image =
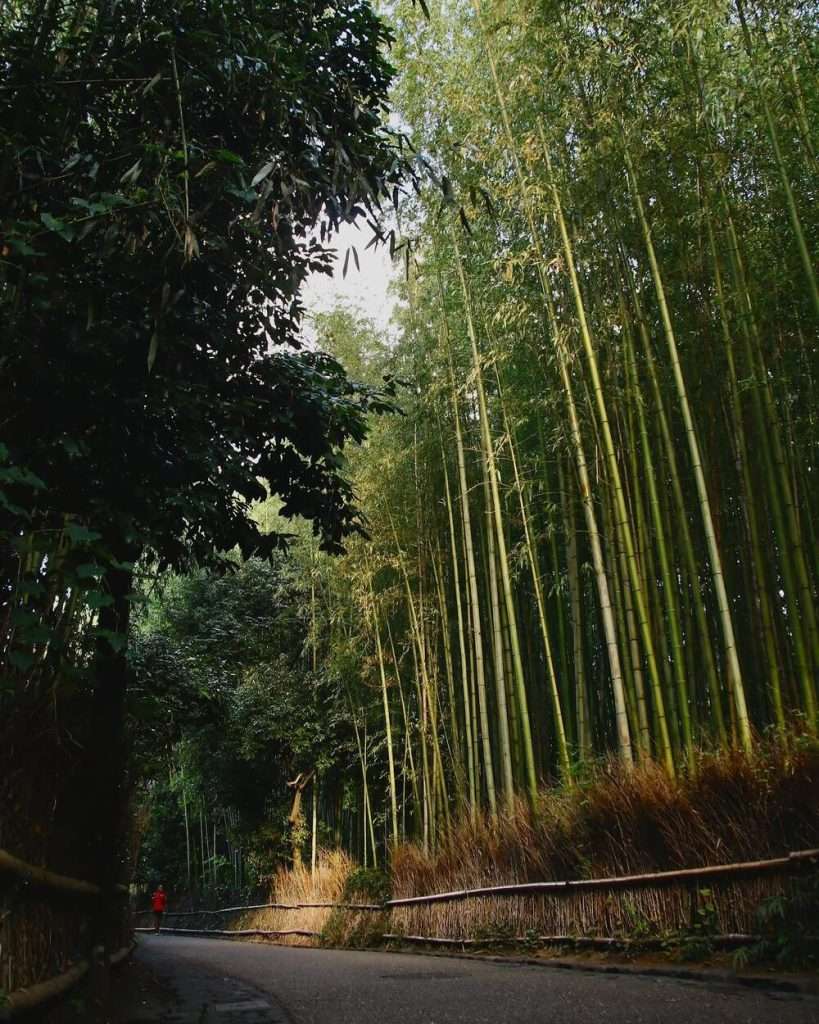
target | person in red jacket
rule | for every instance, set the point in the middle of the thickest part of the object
(159, 903)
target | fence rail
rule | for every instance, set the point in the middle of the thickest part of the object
(33, 996)
(268, 906)
(728, 941)
(232, 933)
(50, 879)
(791, 864)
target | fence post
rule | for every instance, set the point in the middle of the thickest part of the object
(99, 984)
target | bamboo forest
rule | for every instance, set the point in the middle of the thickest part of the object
(515, 583)
(590, 531)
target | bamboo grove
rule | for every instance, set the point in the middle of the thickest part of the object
(591, 531)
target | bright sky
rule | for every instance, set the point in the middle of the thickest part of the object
(366, 289)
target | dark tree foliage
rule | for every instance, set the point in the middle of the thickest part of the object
(170, 173)
(224, 700)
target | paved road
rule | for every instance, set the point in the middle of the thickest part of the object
(244, 983)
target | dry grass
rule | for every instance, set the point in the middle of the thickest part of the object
(329, 884)
(733, 808)
(291, 886)
(300, 885)
(332, 883)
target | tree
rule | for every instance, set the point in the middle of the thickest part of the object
(163, 174)
(169, 176)
(225, 696)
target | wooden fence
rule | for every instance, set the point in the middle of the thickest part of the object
(59, 927)
(689, 879)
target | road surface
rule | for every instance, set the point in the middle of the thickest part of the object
(227, 982)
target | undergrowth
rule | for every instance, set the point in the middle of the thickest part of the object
(788, 928)
(354, 928)
(367, 885)
(733, 807)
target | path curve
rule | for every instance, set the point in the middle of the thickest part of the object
(247, 983)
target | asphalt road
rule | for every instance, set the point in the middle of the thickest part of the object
(244, 983)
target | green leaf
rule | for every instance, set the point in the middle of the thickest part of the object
(228, 157)
(98, 599)
(246, 194)
(153, 348)
(157, 78)
(71, 447)
(65, 231)
(131, 175)
(80, 534)
(22, 247)
(261, 174)
(15, 510)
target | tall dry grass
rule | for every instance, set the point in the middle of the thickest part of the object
(301, 885)
(733, 808)
(336, 883)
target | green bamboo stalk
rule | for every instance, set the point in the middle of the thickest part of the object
(387, 717)
(780, 491)
(456, 751)
(670, 451)
(537, 584)
(612, 650)
(734, 672)
(757, 560)
(472, 581)
(668, 588)
(501, 710)
(790, 201)
(465, 686)
(621, 519)
(584, 738)
(407, 731)
(520, 685)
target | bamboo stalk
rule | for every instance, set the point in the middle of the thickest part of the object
(554, 692)
(773, 135)
(387, 718)
(472, 581)
(601, 579)
(456, 585)
(735, 679)
(503, 558)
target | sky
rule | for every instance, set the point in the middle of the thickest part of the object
(366, 289)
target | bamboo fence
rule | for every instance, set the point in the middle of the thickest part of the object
(594, 912)
(46, 934)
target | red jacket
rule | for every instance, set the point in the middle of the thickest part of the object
(159, 902)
